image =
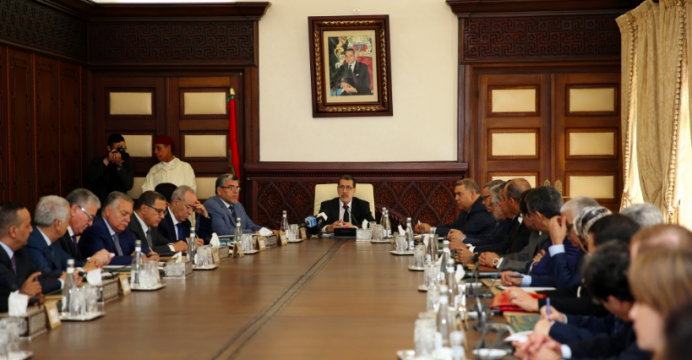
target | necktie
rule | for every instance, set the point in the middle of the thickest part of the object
(232, 213)
(179, 226)
(346, 217)
(74, 241)
(149, 238)
(351, 68)
(118, 249)
(14, 264)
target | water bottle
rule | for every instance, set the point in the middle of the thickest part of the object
(387, 225)
(409, 234)
(137, 264)
(432, 244)
(444, 323)
(453, 286)
(456, 340)
(192, 247)
(433, 297)
(284, 223)
(70, 285)
(238, 234)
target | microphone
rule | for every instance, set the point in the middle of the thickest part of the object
(353, 220)
(314, 224)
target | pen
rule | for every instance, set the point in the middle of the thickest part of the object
(547, 303)
(516, 276)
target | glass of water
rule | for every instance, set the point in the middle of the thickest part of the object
(401, 243)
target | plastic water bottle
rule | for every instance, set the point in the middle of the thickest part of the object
(137, 263)
(70, 285)
(284, 223)
(409, 234)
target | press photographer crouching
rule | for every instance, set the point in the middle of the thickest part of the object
(112, 172)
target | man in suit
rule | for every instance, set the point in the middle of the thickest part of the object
(109, 232)
(113, 172)
(353, 77)
(52, 217)
(17, 272)
(346, 210)
(225, 208)
(176, 225)
(150, 209)
(84, 207)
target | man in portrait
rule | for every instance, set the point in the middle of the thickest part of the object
(353, 77)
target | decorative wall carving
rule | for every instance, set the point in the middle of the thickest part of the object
(540, 37)
(428, 201)
(225, 42)
(28, 23)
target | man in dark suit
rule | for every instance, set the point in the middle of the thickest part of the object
(473, 220)
(109, 232)
(51, 217)
(176, 225)
(150, 209)
(112, 172)
(346, 210)
(353, 77)
(225, 208)
(84, 207)
(17, 272)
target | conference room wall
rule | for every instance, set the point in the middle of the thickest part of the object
(424, 80)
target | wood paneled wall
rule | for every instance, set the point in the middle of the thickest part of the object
(41, 126)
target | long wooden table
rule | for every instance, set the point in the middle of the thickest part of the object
(319, 299)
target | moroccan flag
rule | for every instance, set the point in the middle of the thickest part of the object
(233, 157)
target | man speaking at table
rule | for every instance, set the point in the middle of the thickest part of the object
(225, 208)
(346, 210)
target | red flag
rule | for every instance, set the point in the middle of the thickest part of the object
(233, 156)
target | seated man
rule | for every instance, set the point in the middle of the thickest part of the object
(502, 230)
(17, 272)
(473, 220)
(52, 216)
(109, 232)
(225, 208)
(150, 209)
(346, 210)
(84, 207)
(176, 225)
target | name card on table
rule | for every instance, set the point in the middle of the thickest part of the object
(284, 239)
(261, 243)
(215, 255)
(238, 250)
(303, 234)
(125, 284)
(53, 314)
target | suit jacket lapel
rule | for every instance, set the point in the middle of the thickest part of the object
(137, 230)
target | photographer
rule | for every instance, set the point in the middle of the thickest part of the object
(113, 172)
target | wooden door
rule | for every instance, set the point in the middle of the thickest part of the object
(513, 136)
(587, 137)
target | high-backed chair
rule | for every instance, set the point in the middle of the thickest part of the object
(324, 192)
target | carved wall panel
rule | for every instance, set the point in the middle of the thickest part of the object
(28, 23)
(540, 37)
(71, 146)
(219, 42)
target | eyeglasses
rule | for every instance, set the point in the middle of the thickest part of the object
(349, 188)
(484, 197)
(159, 211)
(91, 217)
(231, 187)
(188, 207)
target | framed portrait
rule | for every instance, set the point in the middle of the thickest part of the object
(350, 66)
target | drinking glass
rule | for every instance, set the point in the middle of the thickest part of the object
(431, 270)
(372, 225)
(248, 244)
(149, 277)
(424, 338)
(401, 243)
(296, 231)
(78, 302)
(419, 256)
(91, 298)
(174, 269)
(377, 232)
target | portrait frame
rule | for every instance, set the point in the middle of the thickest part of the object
(362, 40)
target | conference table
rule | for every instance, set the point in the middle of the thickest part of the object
(318, 299)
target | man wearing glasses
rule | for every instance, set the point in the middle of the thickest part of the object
(176, 224)
(346, 210)
(84, 206)
(225, 208)
(150, 209)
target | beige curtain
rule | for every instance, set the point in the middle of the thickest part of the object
(655, 119)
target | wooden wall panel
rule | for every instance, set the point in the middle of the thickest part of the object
(4, 140)
(47, 156)
(70, 101)
(21, 116)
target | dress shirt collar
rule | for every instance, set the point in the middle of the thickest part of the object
(48, 242)
(9, 251)
(225, 203)
(175, 221)
(145, 228)
(69, 230)
(110, 229)
(519, 218)
(341, 204)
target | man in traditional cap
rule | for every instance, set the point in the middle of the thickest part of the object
(169, 169)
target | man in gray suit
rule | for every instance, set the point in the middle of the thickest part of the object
(225, 208)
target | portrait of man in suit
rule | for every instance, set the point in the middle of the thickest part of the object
(351, 59)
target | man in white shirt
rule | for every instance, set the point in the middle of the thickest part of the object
(169, 169)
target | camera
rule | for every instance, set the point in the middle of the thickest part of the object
(123, 154)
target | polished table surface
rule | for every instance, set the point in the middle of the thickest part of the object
(321, 298)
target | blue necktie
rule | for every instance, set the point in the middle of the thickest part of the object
(74, 241)
(118, 249)
(179, 226)
(232, 213)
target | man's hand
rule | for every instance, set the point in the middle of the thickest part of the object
(117, 158)
(200, 209)
(558, 229)
(554, 315)
(464, 256)
(348, 88)
(199, 242)
(77, 278)
(457, 245)
(31, 287)
(522, 299)
(103, 257)
(455, 235)
(538, 347)
(153, 256)
(508, 280)
(422, 228)
(92, 264)
(487, 258)
(179, 246)
(539, 256)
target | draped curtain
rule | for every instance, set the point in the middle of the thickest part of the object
(655, 103)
